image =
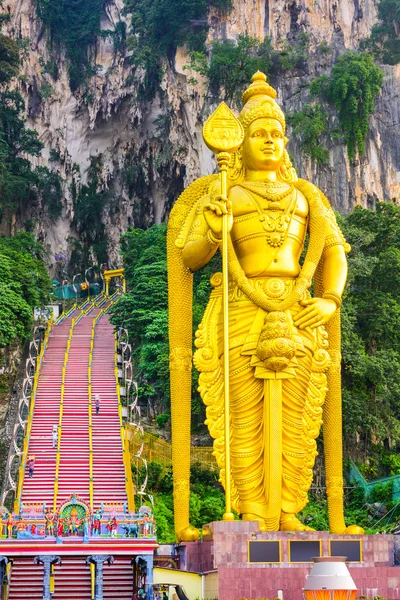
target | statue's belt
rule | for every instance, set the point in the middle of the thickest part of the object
(275, 288)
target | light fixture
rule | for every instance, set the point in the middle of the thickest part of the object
(330, 579)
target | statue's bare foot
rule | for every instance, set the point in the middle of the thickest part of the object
(289, 522)
(252, 517)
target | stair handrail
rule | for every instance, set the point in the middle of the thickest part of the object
(28, 427)
(65, 315)
(124, 440)
(76, 306)
(90, 405)
(86, 312)
(60, 419)
(91, 490)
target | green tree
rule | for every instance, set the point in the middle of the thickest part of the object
(25, 285)
(384, 41)
(309, 125)
(89, 204)
(144, 312)
(371, 325)
(233, 63)
(73, 25)
(159, 27)
(352, 88)
(20, 184)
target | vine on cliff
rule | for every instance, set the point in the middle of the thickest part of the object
(89, 203)
(309, 124)
(73, 25)
(384, 41)
(352, 88)
(159, 27)
(21, 185)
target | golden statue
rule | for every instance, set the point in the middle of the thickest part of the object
(264, 340)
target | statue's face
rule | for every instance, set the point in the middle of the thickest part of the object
(263, 145)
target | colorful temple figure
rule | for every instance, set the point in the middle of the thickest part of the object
(60, 527)
(96, 526)
(282, 344)
(85, 529)
(74, 523)
(33, 528)
(114, 527)
(50, 521)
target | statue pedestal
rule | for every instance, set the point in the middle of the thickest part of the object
(225, 555)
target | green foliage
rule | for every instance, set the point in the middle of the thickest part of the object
(159, 27)
(207, 501)
(162, 420)
(50, 67)
(294, 56)
(352, 88)
(89, 204)
(50, 190)
(233, 63)
(20, 185)
(144, 312)
(24, 285)
(74, 25)
(221, 5)
(371, 325)
(9, 59)
(384, 41)
(309, 124)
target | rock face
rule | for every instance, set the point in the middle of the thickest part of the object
(148, 151)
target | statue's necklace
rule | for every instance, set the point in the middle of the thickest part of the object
(271, 191)
(276, 226)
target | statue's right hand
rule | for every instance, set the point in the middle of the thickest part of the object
(214, 211)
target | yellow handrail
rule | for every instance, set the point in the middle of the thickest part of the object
(91, 491)
(125, 444)
(38, 364)
(90, 406)
(58, 453)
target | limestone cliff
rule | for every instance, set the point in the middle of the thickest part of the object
(150, 150)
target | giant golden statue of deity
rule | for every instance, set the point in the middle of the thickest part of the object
(264, 340)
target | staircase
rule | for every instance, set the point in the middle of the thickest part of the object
(108, 467)
(72, 578)
(73, 475)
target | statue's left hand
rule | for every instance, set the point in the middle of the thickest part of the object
(317, 312)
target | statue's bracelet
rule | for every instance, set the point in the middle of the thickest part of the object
(214, 241)
(332, 295)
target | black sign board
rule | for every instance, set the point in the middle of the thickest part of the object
(265, 551)
(352, 549)
(302, 551)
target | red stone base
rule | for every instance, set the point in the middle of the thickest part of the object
(225, 549)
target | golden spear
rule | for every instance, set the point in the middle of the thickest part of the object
(223, 133)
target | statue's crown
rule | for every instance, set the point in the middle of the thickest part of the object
(259, 102)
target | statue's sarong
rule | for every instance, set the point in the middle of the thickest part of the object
(303, 393)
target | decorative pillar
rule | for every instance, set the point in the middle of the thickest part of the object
(148, 559)
(3, 574)
(47, 562)
(98, 562)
